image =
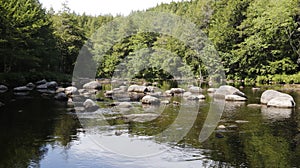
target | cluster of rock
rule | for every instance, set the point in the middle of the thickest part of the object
(274, 98)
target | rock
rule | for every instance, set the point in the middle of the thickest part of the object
(211, 90)
(176, 103)
(3, 88)
(42, 86)
(136, 96)
(2, 104)
(30, 85)
(52, 85)
(234, 98)
(254, 105)
(282, 102)
(277, 99)
(60, 89)
(165, 102)
(92, 85)
(61, 97)
(241, 121)
(228, 90)
(41, 82)
(156, 94)
(177, 90)
(90, 105)
(150, 100)
(70, 102)
(195, 97)
(109, 93)
(79, 109)
(140, 117)
(221, 127)
(169, 93)
(71, 90)
(195, 89)
(138, 89)
(125, 105)
(123, 88)
(22, 89)
(187, 94)
(255, 89)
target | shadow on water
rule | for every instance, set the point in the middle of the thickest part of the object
(30, 123)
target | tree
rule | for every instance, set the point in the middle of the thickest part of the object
(70, 38)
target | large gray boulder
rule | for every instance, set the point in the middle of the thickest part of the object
(150, 100)
(48, 85)
(277, 99)
(92, 85)
(140, 117)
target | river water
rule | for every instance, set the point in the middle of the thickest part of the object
(37, 131)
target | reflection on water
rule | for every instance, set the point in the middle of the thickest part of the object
(39, 132)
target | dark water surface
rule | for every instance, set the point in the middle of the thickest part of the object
(37, 131)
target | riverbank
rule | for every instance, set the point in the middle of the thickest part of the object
(22, 78)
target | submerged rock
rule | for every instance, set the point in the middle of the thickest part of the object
(150, 100)
(140, 117)
(254, 105)
(124, 105)
(277, 99)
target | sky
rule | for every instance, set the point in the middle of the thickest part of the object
(101, 7)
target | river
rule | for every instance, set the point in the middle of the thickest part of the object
(37, 131)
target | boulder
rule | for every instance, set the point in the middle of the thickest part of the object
(49, 85)
(228, 90)
(234, 98)
(136, 96)
(280, 99)
(92, 85)
(60, 89)
(22, 89)
(195, 97)
(211, 90)
(52, 85)
(61, 97)
(177, 90)
(3, 88)
(195, 89)
(90, 105)
(156, 94)
(187, 94)
(254, 105)
(41, 82)
(71, 90)
(138, 89)
(150, 100)
(30, 85)
(282, 102)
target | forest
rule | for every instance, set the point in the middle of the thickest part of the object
(258, 41)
